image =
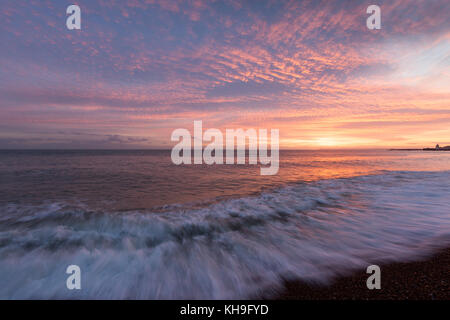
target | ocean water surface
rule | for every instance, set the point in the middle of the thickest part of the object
(140, 227)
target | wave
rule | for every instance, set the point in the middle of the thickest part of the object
(236, 248)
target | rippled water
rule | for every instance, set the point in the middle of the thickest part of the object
(140, 227)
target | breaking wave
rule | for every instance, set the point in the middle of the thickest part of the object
(235, 248)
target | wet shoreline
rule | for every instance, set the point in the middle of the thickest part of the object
(427, 279)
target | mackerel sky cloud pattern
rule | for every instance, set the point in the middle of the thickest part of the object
(137, 70)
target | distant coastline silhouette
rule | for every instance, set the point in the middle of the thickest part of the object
(437, 148)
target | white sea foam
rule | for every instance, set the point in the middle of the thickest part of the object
(230, 249)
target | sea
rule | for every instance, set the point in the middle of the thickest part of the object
(140, 227)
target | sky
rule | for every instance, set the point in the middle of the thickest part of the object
(138, 70)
